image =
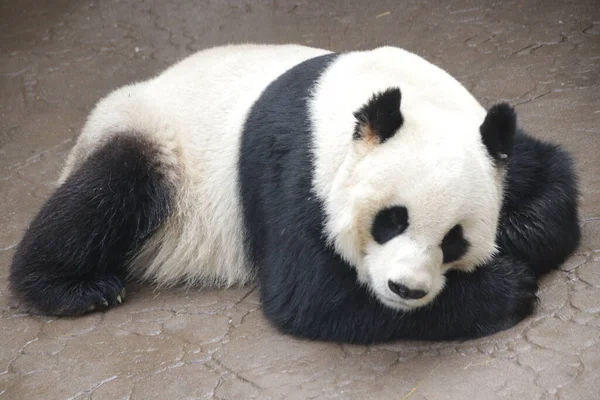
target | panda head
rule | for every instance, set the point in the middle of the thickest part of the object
(416, 191)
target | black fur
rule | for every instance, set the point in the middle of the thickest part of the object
(454, 245)
(498, 131)
(539, 218)
(73, 255)
(307, 290)
(389, 223)
(381, 114)
(274, 168)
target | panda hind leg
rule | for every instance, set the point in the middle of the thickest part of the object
(74, 255)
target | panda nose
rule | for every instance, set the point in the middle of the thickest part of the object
(406, 293)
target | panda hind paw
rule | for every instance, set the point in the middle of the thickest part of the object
(71, 297)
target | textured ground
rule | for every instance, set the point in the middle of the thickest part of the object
(57, 61)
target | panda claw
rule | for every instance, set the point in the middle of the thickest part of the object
(91, 308)
(119, 300)
(104, 302)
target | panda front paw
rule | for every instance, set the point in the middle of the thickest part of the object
(523, 301)
(513, 286)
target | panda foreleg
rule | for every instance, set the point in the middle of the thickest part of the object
(539, 220)
(494, 297)
(327, 304)
(73, 257)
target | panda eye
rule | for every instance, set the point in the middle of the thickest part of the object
(454, 245)
(389, 223)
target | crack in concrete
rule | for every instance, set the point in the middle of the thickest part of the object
(90, 390)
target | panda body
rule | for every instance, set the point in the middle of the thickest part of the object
(360, 189)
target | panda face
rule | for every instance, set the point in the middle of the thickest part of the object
(412, 184)
(418, 273)
(417, 210)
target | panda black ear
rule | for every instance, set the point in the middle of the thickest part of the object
(380, 118)
(498, 131)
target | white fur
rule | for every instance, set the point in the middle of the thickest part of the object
(435, 166)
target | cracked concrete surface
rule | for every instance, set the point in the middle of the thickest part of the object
(58, 58)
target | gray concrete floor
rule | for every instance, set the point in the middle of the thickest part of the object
(57, 58)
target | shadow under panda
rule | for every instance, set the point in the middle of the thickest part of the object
(367, 193)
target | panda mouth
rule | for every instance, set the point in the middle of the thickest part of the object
(396, 304)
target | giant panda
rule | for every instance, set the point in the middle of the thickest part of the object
(367, 193)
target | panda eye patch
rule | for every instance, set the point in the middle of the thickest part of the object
(454, 245)
(389, 223)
